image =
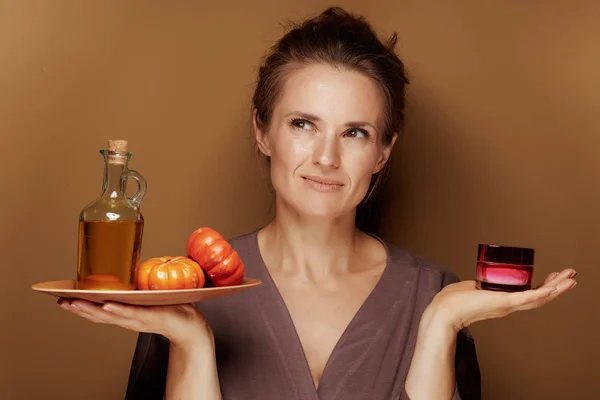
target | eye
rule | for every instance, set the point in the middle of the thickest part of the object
(357, 133)
(302, 124)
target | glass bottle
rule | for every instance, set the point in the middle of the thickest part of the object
(504, 268)
(111, 227)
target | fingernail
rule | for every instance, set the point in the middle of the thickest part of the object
(573, 285)
(573, 274)
(75, 306)
(64, 306)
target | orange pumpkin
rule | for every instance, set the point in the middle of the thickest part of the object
(169, 273)
(216, 256)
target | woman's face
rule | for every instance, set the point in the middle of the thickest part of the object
(325, 140)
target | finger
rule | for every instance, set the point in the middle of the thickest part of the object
(522, 300)
(88, 307)
(68, 306)
(145, 319)
(99, 313)
(136, 318)
(140, 314)
(549, 278)
(555, 291)
(105, 313)
(87, 316)
(568, 273)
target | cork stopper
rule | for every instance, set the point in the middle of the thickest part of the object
(120, 147)
(117, 145)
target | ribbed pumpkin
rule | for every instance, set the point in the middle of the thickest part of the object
(215, 255)
(169, 273)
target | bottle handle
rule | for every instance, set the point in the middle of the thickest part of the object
(138, 196)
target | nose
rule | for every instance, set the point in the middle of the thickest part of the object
(326, 152)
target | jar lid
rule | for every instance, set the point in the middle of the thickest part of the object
(505, 254)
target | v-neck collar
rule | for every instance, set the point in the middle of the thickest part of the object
(359, 333)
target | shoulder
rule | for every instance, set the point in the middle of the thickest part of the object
(402, 259)
(244, 243)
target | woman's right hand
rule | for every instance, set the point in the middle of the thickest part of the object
(183, 324)
(192, 370)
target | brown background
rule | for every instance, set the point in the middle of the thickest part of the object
(501, 146)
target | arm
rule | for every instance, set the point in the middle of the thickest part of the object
(457, 306)
(432, 374)
(175, 352)
(192, 372)
(447, 352)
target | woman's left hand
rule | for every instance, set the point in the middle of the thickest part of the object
(455, 307)
(462, 304)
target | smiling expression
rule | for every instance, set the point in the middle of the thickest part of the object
(325, 139)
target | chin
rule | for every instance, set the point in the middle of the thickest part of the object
(322, 209)
(322, 212)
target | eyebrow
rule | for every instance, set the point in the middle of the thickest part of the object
(314, 118)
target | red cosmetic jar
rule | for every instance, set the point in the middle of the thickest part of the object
(504, 268)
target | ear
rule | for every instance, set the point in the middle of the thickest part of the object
(385, 154)
(262, 139)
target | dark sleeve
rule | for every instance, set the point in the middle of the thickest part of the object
(468, 378)
(148, 372)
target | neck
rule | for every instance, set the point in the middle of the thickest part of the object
(312, 248)
(112, 184)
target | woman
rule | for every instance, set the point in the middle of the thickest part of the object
(341, 314)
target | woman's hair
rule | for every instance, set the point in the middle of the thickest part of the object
(341, 39)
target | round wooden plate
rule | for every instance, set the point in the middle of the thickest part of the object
(66, 288)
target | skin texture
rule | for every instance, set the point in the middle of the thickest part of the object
(325, 127)
(313, 133)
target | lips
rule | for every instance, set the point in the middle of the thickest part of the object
(322, 181)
